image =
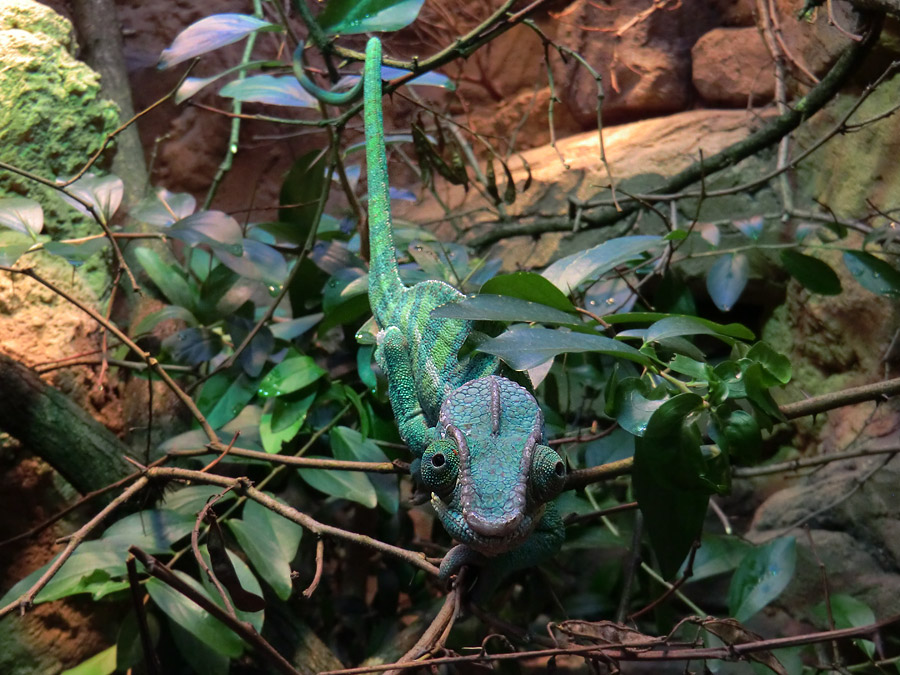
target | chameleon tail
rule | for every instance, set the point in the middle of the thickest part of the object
(385, 287)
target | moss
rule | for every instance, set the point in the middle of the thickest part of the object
(52, 117)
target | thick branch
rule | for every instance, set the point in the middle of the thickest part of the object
(84, 452)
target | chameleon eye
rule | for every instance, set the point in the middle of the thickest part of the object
(548, 473)
(440, 467)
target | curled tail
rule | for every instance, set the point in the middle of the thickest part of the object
(385, 287)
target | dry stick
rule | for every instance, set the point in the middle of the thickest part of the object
(319, 529)
(151, 660)
(759, 140)
(152, 363)
(320, 564)
(24, 601)
(811, 406)
(435, 632)
(795, 464)
(638, 652)
(156, 569)
(195, 547)
(305, 462)
(98, 360)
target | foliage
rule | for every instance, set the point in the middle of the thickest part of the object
(268, 312)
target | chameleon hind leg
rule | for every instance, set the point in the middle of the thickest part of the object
(393, 356)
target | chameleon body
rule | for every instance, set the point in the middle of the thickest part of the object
(477, 436)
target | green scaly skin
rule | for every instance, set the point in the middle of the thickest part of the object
(477, 436)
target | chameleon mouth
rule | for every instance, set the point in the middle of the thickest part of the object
(459, 527)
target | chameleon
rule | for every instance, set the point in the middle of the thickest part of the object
(477, 437)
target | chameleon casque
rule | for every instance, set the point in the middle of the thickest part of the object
(476, 436)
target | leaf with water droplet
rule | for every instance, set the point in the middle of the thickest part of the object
(873, 273)
(761, 577)
(295, 372)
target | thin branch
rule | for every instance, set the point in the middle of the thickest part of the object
(156, 569)
(320, 564)
(305, 462)
(796, 464)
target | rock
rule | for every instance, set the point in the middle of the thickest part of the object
(732, 66)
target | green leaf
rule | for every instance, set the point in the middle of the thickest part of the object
(211, 33)
(348, 17)
(726, 280)
(103, 663)
(282, 419)
(243, 578)
(191, 500)
(756, 385)
(204, 660)
(669, 481)
(352, 485)
(213, 228)
(300, 193)
(814, 274)
(295, 372)
(168, 279)
(567, 273)
(104, 193)
(163, 208)
(76, 254)
(674, 326)
(734, 330)
(288, 330)
(718, 554)
(129, 648)
(761, 577)
(270, 542)
(775, 364)
(193, 618)
(501, 308)
(257, 261)
(12, 245)
(526, 347)
(873, 273)
(271, 90)
(742, 436)
(193, 346)
(694, 369)
(223, 396)
(22, 215)
(349, 444)
(848, 612)
(154, 530)
(634, 403)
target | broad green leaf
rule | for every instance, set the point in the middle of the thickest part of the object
(617, 445)
(295, 372)
(191, 500)
(22, 215)
(194, 618)
(848, 612)
(775, 364)
(873, 273)
(213, 228)
(245, 578)
(223, 396)
(348, 17)
(501, 308)
(608, 296)
(567, 273)
(349, 444)
(270, 542)
(742, 436)
(103, 663)
(300, 193)
(154, 530)
(726, 280)
(756, 384)
(271, 90)
(12, 245)
(204, 660)
(718, 554)
(163, 208)
(257, 261)
(288, 330)
(526, 347)
(168, 279)
(674, 326)
(669, 481)
(76, 254)
(283, 418)
(352, 485)
(814, 274)
(104, 193)
(211, 33)
(694, 369)
(751, 227)
(194, 345)
(634, 403)
(761, 577)
(734, 330)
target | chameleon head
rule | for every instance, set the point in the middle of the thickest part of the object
(488, 472)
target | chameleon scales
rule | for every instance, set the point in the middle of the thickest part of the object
(476, 436)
